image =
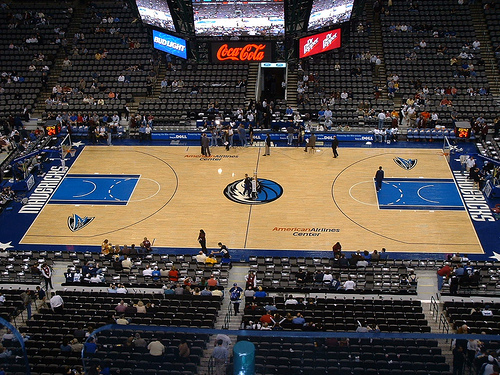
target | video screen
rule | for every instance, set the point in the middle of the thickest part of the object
(156, 13)
(237, 18)
(325, 13)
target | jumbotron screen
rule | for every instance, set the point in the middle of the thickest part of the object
(239, 18)
(325, 13)
(156, 13)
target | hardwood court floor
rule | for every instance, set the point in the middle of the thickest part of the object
(178, 194)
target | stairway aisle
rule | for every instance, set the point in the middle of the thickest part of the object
(237, 275)
(253, 72)
(486, 49)
(76, 20)
(427, 288)
(376, 48)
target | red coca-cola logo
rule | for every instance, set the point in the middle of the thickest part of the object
(249, 52)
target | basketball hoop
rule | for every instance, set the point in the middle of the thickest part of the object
(72, 152)
(65, 150)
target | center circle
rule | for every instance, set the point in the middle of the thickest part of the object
(267, 191)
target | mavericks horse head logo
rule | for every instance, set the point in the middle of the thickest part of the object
(405, 163)
(76, 222)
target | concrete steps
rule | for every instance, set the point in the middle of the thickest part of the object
(291, 90)
(253, 72)
(76, 20)
(486, 49)
(376, 48)
(237, 275)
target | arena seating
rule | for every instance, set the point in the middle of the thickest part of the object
(217, 84)
(83, 309)
(330, 81)
(470, 313)
(344, 314)
(486, 282)
(492, 15)
(128, 53)
(28, 38)
(279, 275)
(490, 148)
(369, 356)
(445, 25)
(185, 264)
(12, 305)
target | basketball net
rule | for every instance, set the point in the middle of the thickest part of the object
(66, 149)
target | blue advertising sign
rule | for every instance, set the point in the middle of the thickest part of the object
(170, 136)
(260, 136)
(169, 44)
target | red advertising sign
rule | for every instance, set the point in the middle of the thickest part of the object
(319, 43)
(241, 52)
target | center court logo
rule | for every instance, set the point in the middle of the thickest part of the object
(405, 163)
(267, 191)
(76, 222)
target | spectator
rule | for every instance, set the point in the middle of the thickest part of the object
(299, 319)
(250, 280)
(139, 342)
(211, 260)
(212, 281)
(349, 284)
(173, 274)
(122, 321)
(260, 293)
(156, 348)
(26, 297)
(90, 347)
(141, 308)
(126, 263)
(221, 355)
(201, 257)
(184, 350)
(65, 346)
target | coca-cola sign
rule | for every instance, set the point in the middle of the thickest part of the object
(241, 52)
(319, 43)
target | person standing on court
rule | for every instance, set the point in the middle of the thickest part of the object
(205, 145)
(242, 134)
(267, 142)
(379, 177)
(311, 142)
(203, 241)
(248, 185)
(335, 145)
(255, 193)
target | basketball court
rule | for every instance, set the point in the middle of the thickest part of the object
(306, 201)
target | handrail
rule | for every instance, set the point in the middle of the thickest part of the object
(444, 325)
(211, 366)
(227, 318)
(434, 308)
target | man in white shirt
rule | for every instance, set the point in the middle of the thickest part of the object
(328, 114)
(349, 284)
(147, 271)
(291, 301)
(201, 257)
(56, 303)
(381, 119)
(121, 289)
(126, 263)
(156, 348)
